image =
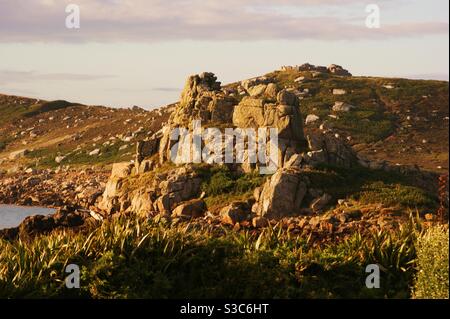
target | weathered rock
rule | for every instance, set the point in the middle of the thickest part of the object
(338, 70)
(165, 192)
(145, 166)
(342, 107)
(282, 194)
(249, 113)
(110, 198)
(18, 154)
(121, 170)
(325, 149)
(94, 152)
(221, 108)
(147, 148)
(311, 118)
(285, 116)
(59, 159)
(236, 212)
(201, 97)
(259, 222)
(257, 90)
(339, 92)
(40, 224)
(194, 208)
(320, 203)
(271, 91)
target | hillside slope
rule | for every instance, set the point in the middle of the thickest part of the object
(396, 120)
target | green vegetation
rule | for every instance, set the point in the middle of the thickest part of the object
(108, 154)
(4, 142)
(432, 262)
(11, 112)
(371, 186)
(222, 185)
(373, 119)
(129, 258)
(396, 194)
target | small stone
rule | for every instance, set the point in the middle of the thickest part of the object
(59, 159)
(94, 152)
(234, 213)
(342, 107)
(311, 118)
(339, 92)
(194, 208)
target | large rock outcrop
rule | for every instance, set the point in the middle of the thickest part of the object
(282, 194)
(263, 105)
(203, 99)
(154, 193)
(332, 69)
(284, 114)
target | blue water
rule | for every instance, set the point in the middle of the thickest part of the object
(12, 216)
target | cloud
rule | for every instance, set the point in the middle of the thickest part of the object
(161, 20)
(8, 76)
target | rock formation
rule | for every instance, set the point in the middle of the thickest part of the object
(163, 193)
(332, 69)
(287, 192)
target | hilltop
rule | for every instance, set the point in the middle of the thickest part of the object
(400, 121)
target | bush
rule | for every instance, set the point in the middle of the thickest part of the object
(221, 180)
(432, 263)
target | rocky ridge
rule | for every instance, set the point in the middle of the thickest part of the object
(151, 186)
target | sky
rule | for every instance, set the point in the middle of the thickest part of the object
(140, 52)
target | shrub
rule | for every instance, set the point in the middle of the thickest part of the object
(432, 263)
(219, 183)
(221, 180)
(396, 194)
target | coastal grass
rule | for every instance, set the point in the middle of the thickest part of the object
(141, 258)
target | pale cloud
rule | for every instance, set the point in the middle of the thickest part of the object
(162, 20)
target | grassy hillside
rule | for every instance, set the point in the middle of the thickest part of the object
(399, 120)
(16, 108)
(51, 129)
